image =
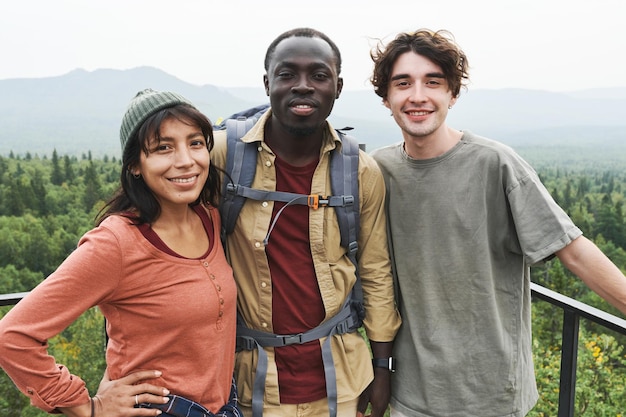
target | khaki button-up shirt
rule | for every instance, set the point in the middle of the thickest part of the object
(335, 272)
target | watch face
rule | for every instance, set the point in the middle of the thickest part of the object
(387, 363)
(392, 364)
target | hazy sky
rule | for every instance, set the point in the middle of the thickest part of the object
(556, 45)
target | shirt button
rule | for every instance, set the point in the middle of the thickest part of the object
(257, 244)
(263, 284)
(268, 163)
(260, 148)
(264, 325)
(265, 204)
(206, 264)
(221, 313)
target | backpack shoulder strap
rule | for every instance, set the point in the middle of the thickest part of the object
(240, 168)
(344, 178)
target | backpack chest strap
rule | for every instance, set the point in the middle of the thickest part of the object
(312, 200)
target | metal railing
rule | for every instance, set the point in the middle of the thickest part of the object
(572, 312)
(11, 299)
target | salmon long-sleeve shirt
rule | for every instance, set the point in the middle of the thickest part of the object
(163, 312)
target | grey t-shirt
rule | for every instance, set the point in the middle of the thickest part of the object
(465, 228)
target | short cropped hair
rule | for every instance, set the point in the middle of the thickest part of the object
(305, 33)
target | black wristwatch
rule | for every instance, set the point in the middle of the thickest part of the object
(387, 363)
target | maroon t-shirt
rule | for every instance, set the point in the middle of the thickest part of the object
(296, 300)
(156, 241)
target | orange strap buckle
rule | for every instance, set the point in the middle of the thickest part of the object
(313, 201)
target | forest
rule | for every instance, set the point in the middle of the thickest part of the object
(47, 203)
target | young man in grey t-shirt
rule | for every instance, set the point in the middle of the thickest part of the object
(467, 218)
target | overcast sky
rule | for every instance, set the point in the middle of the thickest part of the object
(555, 45)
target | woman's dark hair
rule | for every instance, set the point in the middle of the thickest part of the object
(134, 198)
(439, 47)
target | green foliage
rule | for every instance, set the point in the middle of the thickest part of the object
(41, 220)
(18, 280)
(600, 377)
(45, 207)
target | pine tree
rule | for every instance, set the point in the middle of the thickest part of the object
(57, 175)
(70, 177)
(92, 187)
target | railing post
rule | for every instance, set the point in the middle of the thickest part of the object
(569, 356)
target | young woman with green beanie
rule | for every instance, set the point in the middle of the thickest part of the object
(154, 265)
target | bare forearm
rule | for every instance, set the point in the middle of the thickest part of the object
(583, 258)
(83, 410)
(381, 349)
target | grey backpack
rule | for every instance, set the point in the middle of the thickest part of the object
(240, 168)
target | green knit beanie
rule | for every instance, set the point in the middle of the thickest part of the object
(144, 105)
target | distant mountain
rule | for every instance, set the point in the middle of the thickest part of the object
(81, 111)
